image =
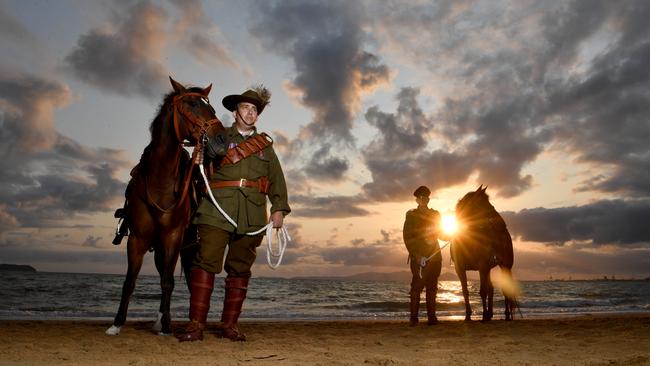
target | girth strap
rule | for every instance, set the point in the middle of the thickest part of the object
(248, 147)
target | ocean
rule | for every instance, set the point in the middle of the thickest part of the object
(46, 295)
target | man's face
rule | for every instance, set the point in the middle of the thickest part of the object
(422, 200)
(245, 115)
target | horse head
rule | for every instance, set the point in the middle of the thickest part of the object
(199, 122)
(472, 206)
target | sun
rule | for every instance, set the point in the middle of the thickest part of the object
(449, 224)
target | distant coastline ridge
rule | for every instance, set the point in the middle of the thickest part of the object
(16, 267)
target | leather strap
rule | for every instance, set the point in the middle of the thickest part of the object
(262, 184)
(248, 147)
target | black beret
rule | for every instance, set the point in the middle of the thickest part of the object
(422, 191)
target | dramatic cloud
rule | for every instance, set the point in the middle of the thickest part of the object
(28, 105)
(323, 166)
(326, 42)
(615, 222)
(570, 75)
(125, 60)
(192, 29)
(328, 207)
(399, 158)
(46, 178)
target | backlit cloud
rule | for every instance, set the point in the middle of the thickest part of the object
(45, 177)
(124, 60)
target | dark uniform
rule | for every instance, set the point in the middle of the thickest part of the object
(421, 232)
(237, 188)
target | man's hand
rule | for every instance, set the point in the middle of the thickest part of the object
(423, 262)
(277, 218)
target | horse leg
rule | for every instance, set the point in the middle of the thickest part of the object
(490, 296)
(136, 249)
(159, 260)
(170, 248)
(485, 278)
(463, 282)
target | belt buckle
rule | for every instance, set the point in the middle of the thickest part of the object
(242, 182)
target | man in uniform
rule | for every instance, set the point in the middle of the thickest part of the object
(421, 230)
(240, 183)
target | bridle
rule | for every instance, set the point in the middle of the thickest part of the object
(199, 135)
(180, 109)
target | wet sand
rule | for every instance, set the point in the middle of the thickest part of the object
(584, 340)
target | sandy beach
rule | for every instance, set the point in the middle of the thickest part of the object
(585, 340)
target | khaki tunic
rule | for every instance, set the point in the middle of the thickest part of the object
(245, 205)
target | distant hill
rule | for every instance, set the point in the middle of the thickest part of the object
(17, 267)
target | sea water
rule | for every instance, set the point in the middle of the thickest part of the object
(46, 295)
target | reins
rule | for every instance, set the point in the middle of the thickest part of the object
(424, 260)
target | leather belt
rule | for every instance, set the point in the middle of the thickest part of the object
(262, 184)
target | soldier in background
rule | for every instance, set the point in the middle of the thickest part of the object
(421, 231)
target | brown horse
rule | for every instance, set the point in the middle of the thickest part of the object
(159, 195)
(483, 243)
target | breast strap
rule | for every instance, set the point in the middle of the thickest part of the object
(248, 147)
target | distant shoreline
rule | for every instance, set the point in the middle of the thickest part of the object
(402, 276)
(17, 267)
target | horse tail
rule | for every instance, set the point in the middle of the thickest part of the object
(511, 291)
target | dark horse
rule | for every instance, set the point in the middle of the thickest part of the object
(483, 243)
(159, 195)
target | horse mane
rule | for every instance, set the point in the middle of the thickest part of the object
(477, 210)
(164, 109)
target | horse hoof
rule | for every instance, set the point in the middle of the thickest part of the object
(157, 326)
(468, 319)
(113, 330)
(164, 334)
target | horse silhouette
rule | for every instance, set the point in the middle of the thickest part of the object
(482, 244)
(159, 196)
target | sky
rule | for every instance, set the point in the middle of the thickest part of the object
(545, 102)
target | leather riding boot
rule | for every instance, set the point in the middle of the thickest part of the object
(431, 306)
(415, 308)
(236, 288)
(201, 285)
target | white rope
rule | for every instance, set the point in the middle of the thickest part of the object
(423, 260)
(283, 234)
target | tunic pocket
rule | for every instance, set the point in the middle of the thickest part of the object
(226, 200)
(256, 209)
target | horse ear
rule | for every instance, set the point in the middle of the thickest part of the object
(484, 189)
(479, 188)
(178, 88)
(206, 91)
